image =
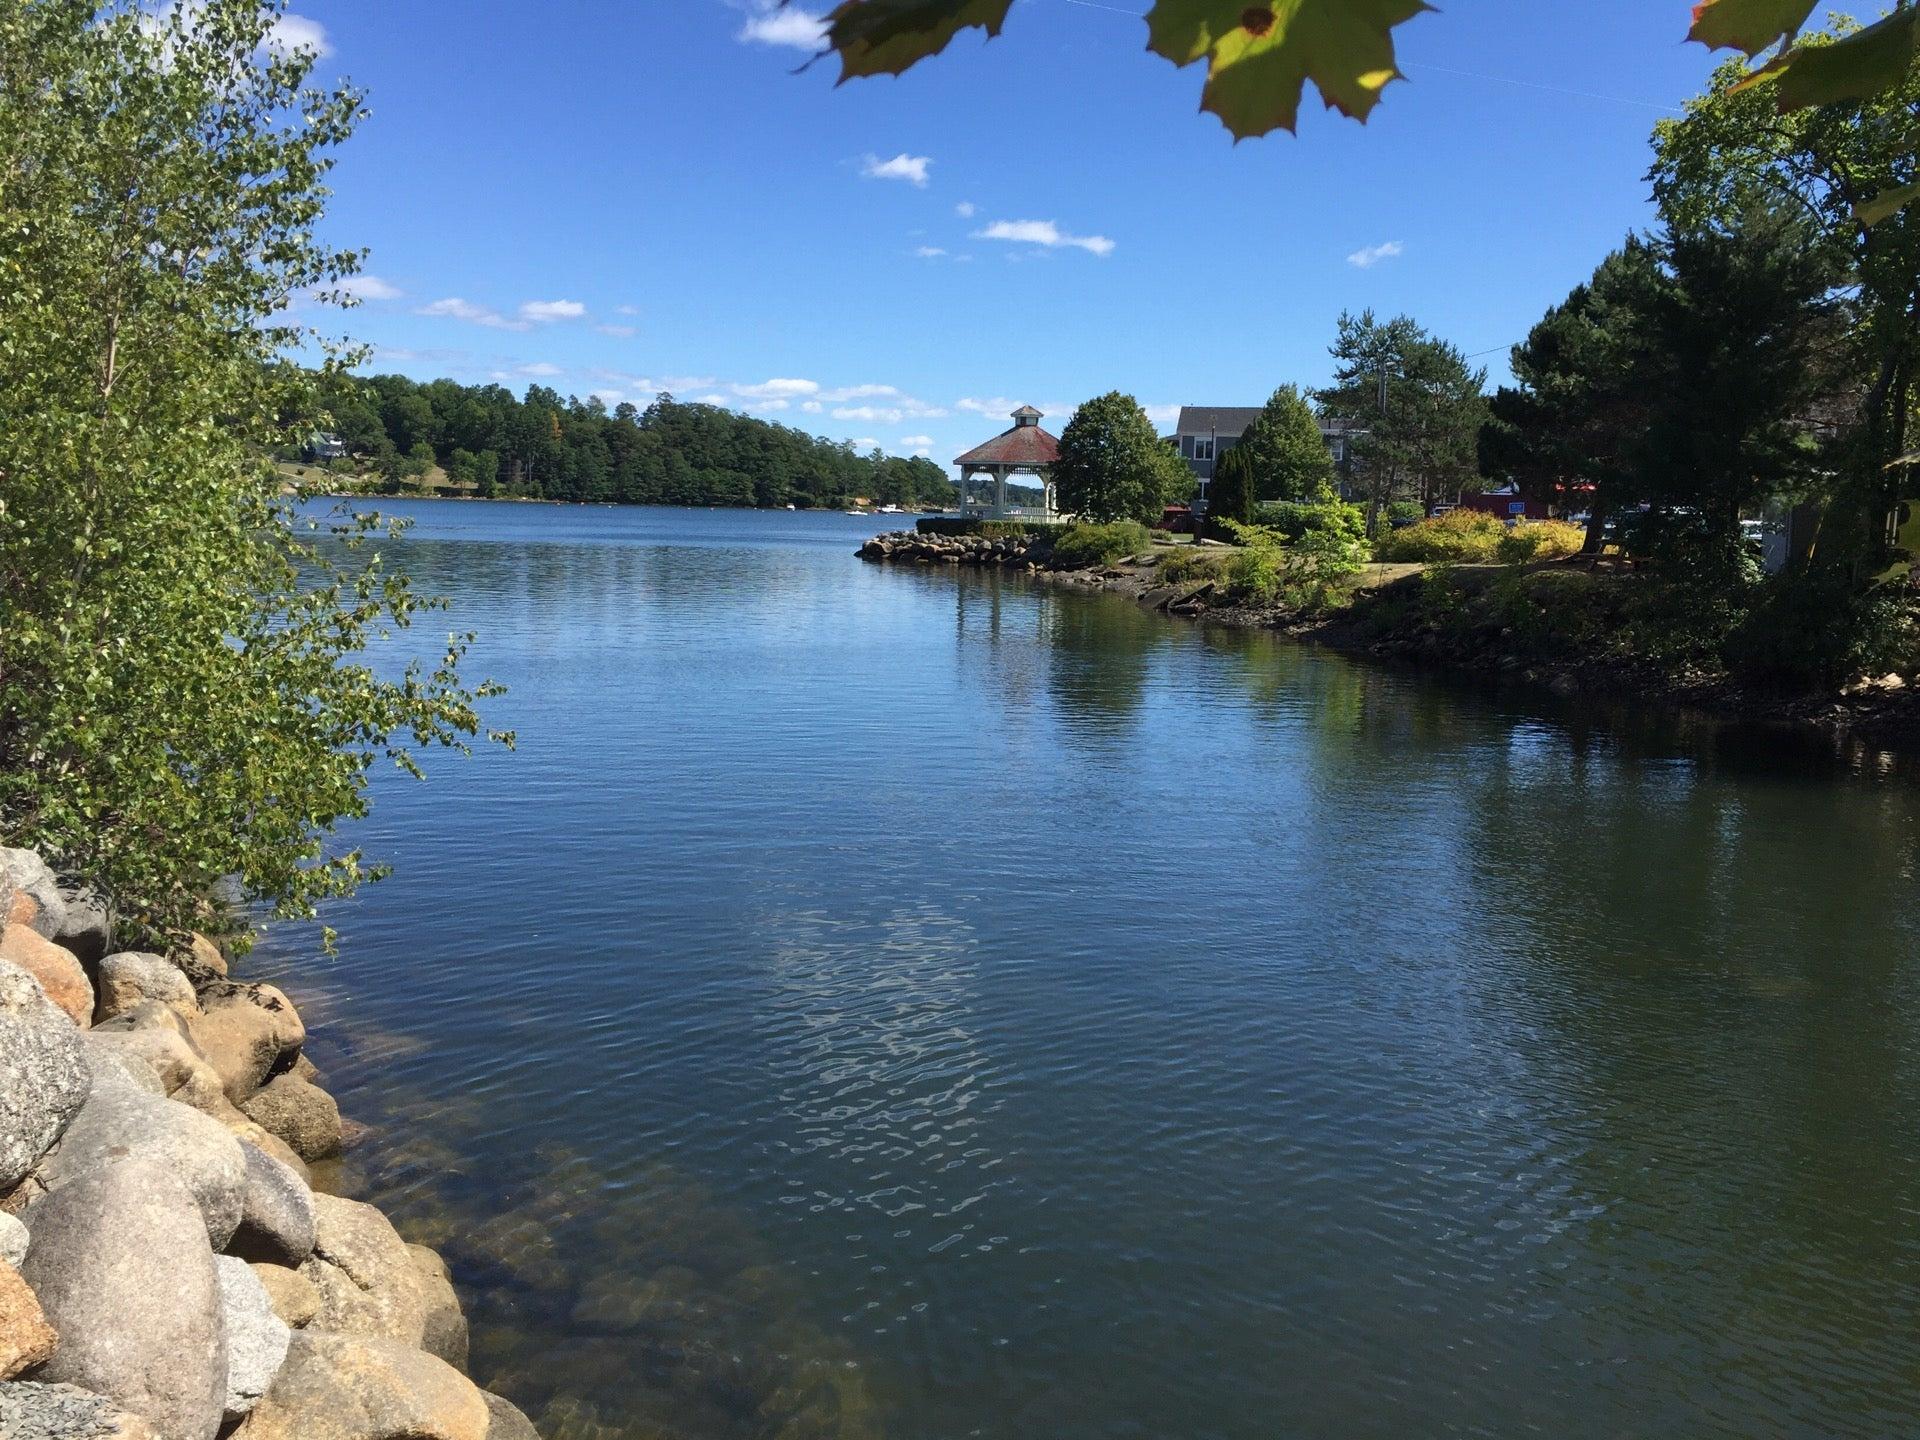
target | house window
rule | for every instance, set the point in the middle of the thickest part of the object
(1203, 447)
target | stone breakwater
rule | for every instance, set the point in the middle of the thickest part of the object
(167, 1269)
(1012, 552)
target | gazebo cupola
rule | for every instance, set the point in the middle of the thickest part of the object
(1025, 449)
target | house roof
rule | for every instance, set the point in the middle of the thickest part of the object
(1216, 419)
(1022, 445)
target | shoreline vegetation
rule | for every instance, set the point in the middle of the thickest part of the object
(1529, 624)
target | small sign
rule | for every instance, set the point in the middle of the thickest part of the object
(1516, 507)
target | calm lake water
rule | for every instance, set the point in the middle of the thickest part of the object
(886, 1002)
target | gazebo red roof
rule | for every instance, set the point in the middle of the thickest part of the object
(1024, 444)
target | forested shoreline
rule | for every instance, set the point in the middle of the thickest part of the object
(546, 446)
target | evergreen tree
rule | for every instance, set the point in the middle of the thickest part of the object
(1230, 494)
(1288, 454)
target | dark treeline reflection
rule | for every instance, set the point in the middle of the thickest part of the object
(891, 1002)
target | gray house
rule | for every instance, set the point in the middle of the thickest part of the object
(1206, 432)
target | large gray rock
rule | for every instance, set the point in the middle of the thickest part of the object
(359, 1387)
(28, 875)
(131, 976)
(247, 1032)
(443, 1325)
(13, 1240)
(30, 1410)
(508, 1421)
(294, 1298)
(87, 929)
(364, 1273)
(121, 1118)
(301, 1114)
(121, 1264)
(44, 1076)
(276, 1213)
(256, 1337)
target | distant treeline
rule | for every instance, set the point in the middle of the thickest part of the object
(553, 447)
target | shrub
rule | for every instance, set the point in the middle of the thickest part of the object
(1230, 495)
(1190, 563)
(978, 525)
(1405, 510)
(1294, 518)
(1815, 632)
(1539, 540)
(1305, 575)
(1084, 546)
(1461, 537)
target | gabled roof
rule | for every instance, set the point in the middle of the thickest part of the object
(1230, 420)
(1022, 445)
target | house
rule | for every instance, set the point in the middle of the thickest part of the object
(1206, 432)
(324, 446)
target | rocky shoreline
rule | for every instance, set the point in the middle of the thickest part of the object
(1880, 717)
(168, 1270)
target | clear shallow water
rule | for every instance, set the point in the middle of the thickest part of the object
(886, 1002)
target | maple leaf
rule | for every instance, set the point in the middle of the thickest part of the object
(885, 37)
(1747, 25)
(1260, 56)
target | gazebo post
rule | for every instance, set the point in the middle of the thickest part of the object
(999, 492)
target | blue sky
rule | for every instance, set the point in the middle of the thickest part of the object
(620, 198)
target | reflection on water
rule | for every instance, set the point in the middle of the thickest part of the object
(887, 1002)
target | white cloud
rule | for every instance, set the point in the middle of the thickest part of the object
(455, 308)
(1162, 415)
(910, 168)
(369, 287)
(930, 252)
(858, 392)
(1044, 233)
(1373, 254)
(545, 312)
(626, 309)
(619, 332)
(777, 389)
(966, 209)
(866, 442)
(785, 25)
(296, 32)
(916, 442)
(540, 368)
(609, 398)
(812, 407)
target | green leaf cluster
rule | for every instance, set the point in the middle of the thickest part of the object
(182, 694)
(1112, 465)
(1288, 454)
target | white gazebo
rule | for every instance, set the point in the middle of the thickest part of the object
(1026, 449)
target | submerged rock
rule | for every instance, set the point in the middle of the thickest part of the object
(360, 1387)
(26, 1339)
(33, 1411)
(443, 1325)
(121, 1265)
(302, 1115)
(54, 966)
(121, 1119)
(44, 1076)
(257, 1338)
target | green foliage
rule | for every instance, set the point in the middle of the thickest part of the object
(1289, 455)
(1112, 465)
(1732, 154)
(1538, 540)
(1293, 518)
(979, 525)
(552, 447)
(1082, 547)
(1230, 494)
(1259, 58)
(181, 697)
(1192, 563)
(1459, 537)
(1304, 574)
(1817, 632)
(1423, 442)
